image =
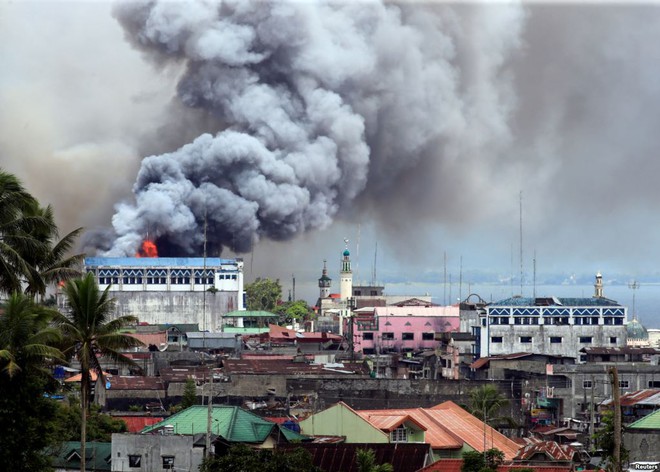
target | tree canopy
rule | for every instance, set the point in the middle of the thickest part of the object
(263, 294)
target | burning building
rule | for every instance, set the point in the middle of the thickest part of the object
(172, 290)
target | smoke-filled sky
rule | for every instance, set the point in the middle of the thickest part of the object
(418, 131)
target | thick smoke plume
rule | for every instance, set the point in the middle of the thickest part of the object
(324, 104)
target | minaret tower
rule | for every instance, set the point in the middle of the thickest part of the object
(324, 283)
(598, 286)
(346, 275)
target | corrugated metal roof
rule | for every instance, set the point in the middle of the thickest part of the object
(289, 367)
(651, 421)
(135, 424)
(209, 262)
(389, 422)
(447, 311)
(135, 383)
(250, 314)
(454, 465)
(98, 456)
(231, 422)
(404, 457)
(648, 396)
(436, 435)
(551, 449)
(150, 338)
(470, 429)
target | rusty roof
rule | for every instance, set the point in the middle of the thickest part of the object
(436, 435)
(470, 429)
(620, 350)
(289, 367)
(135, 424)
(454, 465)
(389, 422)
(135, 383)
(648, 396)
(181, 374)
(551, 449)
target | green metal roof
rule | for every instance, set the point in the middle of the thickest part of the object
(231, 422)
(98, 455)
(250, 314)
(651, 421)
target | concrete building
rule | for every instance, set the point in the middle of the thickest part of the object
(551, 325)
(168, 290)
(405, 328)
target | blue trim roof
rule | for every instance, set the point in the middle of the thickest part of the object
(528, 301)
(156, 262)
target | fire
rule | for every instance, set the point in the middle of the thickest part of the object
(148, 249)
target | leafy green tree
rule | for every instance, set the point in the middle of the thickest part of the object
(17, 229)
(366, 462)
(89, 330)
(100, 426)
(189, 397)
(475, 461)
(241, 458)
(293, 311)
(26, 415)
(604, 440)
(263, 294)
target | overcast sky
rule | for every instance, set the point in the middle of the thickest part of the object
(458, 113)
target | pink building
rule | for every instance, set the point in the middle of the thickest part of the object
(402, 328)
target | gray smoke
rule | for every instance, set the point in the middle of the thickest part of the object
(326, 105)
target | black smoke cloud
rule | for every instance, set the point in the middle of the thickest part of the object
(327, 108)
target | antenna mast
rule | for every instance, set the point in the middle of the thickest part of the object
(521, 246)
(444, 285)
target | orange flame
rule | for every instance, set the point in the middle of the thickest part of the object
(148, 249)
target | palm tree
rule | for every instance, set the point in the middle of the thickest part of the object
(486, 402)
(26, 339)
(366, 462)
(90, 331)
(26, 416)
(16, 233)
(51, 263)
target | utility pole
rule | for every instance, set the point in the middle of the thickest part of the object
(592, 425)
(209, 415)
(616, 394)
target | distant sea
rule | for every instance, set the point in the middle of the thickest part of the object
(647, 296)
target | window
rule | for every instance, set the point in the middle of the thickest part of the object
(654, 383)
(586, 339)
(134, 461)
(368, 336)
(587, 384)
(624, 384)
(612, 339)
(555, 339)
(428, 336)
(168, 462)
(399, 435)
(387, 336)
(504, 321)
(407, 336)
(496, 339)
(525, 339)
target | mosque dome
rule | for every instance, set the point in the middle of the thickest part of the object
(636, 330)
(346, 253)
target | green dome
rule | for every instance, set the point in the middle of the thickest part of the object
(636, 330)
(346, 253)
